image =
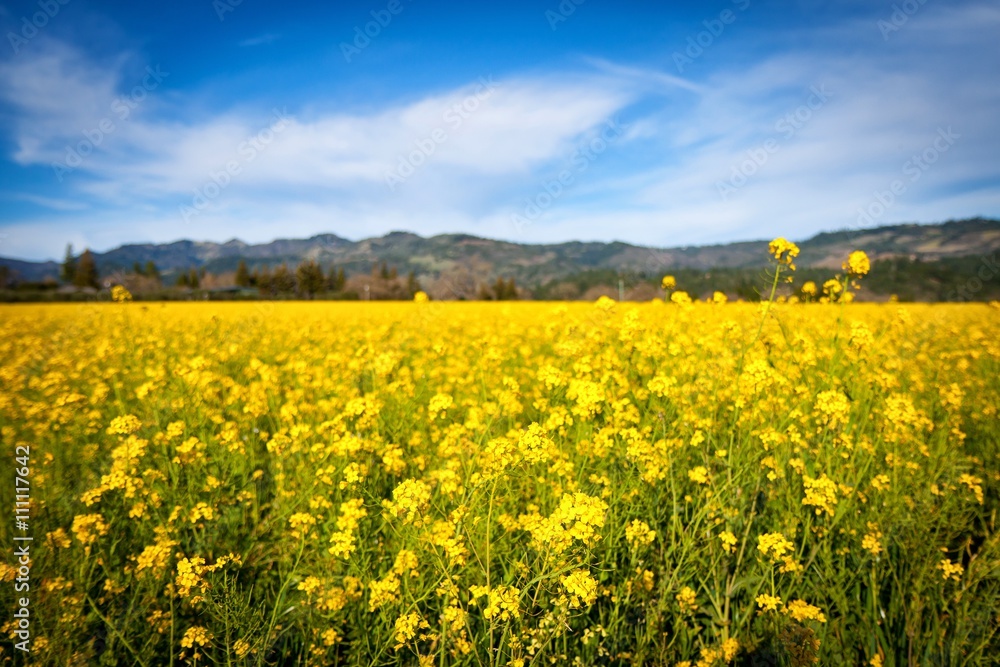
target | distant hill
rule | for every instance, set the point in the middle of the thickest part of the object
(533, 265)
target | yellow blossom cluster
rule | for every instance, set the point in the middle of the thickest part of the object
(783, 250)
(638, 533)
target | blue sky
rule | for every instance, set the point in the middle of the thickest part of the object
(655, 123)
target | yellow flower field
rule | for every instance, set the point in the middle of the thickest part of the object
(506, 483)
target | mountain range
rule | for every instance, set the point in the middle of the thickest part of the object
(535, 264)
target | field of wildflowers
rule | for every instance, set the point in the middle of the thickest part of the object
(669, 483)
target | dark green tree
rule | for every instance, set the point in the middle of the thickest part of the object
(151, 271)
(500, 289)
(412, 284)
(86, 271)
(69, 266)
(309, 279)
(283, 281)
(503, 290)
(265, 282)
(335, 279)
(242, 275)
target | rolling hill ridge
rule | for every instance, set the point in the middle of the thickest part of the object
(536, 264)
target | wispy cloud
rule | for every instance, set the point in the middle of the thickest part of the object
(47, 202)
(259, 40)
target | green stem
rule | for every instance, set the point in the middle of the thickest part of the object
(121, 637)
(277, 602)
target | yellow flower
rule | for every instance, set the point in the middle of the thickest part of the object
(687, 600)
(578, 517)
(190, 573)
(301, 523)
(974, 484)
(639, 533)
(832, 287)
(833, 408)
(342, 544)
(241, 647)
(124, 425)
(880, 482)
(58, 539)
(420, 297)
(768, 602)
(774, 545)
(409, 499)
(499, 455)
(406, 627)
(535, 445)
(698, 475)
(383, 591)
(196, 636)
(581, 587)
(439, 405)
(503, 603)
(950, 570)
(820, 493)
(668, 282)
(730, 648)
(681, 298)
(783, 250)
(406, 561)
(605, 303)
(120, 295)
(809, 288)
(857, 264)
(803, 611)
(719, 297)
(156, 556)
(728, 541)
(88, 527)
(310, 585)
(872, 541)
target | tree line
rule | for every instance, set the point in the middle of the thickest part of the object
(948, 279)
